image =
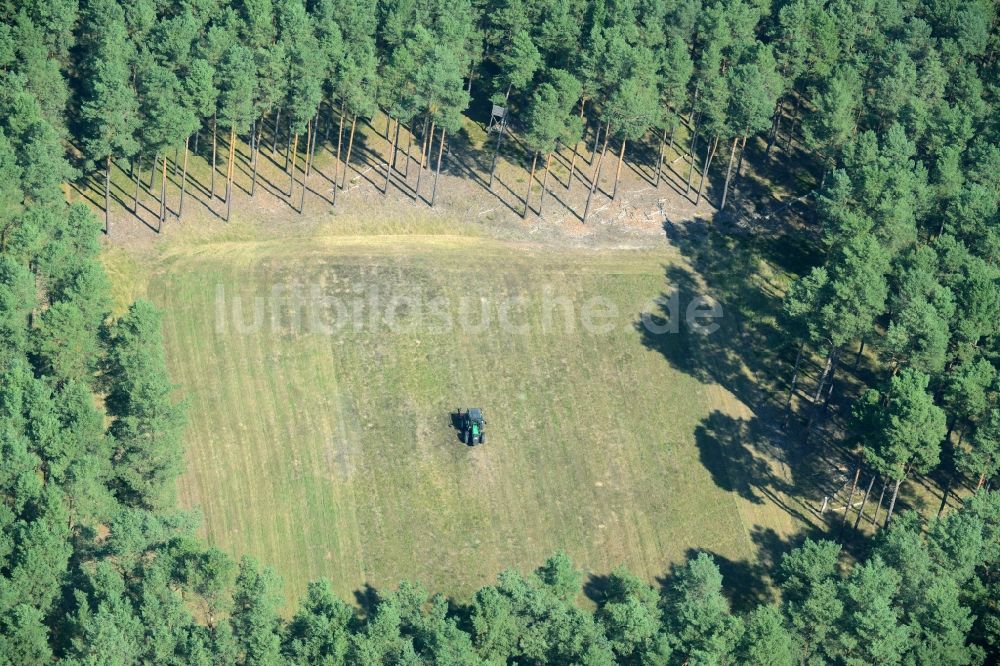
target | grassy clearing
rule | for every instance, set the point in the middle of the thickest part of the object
(333, 454)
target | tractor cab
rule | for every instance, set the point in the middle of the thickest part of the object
(473, 425)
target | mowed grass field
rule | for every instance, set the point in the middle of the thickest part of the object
(329, 451)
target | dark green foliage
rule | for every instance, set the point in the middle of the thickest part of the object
(892, 107)
(147, 420)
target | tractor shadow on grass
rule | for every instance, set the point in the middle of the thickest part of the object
(457, 421)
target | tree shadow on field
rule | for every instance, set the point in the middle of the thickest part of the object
(749, 354)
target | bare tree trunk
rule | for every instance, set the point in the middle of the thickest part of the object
(409, 145)
(340, 143)
(694, 145)
(229, 172)
(739, 163)
(274, 137)
(291, 171)
(729, 173)
(258, 137)
(593, 183)
(878, 507)
(152, 173)
(215, 133)
(945, 494)
(892, 502)
(389, 158)
(826, 373)
(184, 175)
(138, 175)
(659, 157)
(864, 502)
(288, 144)
(618, 171)
(531, 178)
(424, 147)
(496, 149)
(576, 145)
(163, 193)
(597, 142)
(350, 145)
(861, 351)
(709, 156)
(795, 381)
(311, 145)
(545, 180)
(854, 486)
(438, 172)
(310, 137)
(795, 120)
(395, 142)
(107, 194)
(775, 125)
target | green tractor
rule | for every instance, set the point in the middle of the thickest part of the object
(472, 426)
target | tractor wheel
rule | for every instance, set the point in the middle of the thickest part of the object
(482, 438)
(467, 437)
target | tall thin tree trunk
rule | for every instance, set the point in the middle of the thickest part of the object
(424, 147)
(709, 156)
(729, 173)
(496, 149)
(389, 157)
(861, 351)
(152, 172)
(775, 126)
(892, 502)
(274, 136)
(826, 373)
(409, 146)
(694, 145)
(545, 180)
(163, 193)
(618, 171)
(291, 170)
(215, 132)
(184, 175)
(107, 195)
(138, 175)
(229, 171)
(946, 494)
(438, 172)
(791, 388)
(854, 486)
(659, 157)
(576, 145)
(340, 143)
(597, 142)
(395, 142)
(258, 137)
(593, 183)
(350, 145)
(795, 121)
(739, 163)
(196, 135)
(531, 178)
(864, 501)
(878, 507)
(311, 145)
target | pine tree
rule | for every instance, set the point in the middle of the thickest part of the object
(110, 110)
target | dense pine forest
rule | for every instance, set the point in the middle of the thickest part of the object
(894, 108)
